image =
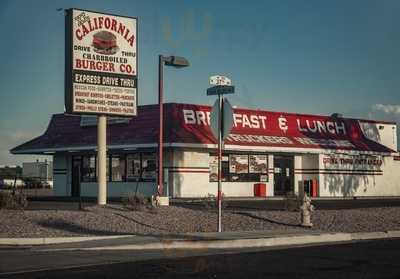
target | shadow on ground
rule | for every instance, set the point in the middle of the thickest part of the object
(264, 219)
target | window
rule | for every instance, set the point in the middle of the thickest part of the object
(89, 168)
(258, 168)
(133, 167)
(149, 166)
(240, 167)
(121, 167)
(214, 168)
(213, 163)
(117, 168)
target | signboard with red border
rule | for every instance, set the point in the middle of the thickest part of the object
(274, 129)
(101, 63)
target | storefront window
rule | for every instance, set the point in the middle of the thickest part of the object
(133, 167)
(149, 166)
(214, 168)
(240, 168)
(89, 168)
(122, 167)
(258, 168)
(117, 168)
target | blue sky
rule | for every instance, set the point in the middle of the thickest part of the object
(299, 56)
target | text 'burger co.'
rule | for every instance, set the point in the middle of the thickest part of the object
(101, 63)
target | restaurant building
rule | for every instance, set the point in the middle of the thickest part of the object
(344, 157)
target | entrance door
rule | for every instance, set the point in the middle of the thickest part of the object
(283, 175)
(76, 173)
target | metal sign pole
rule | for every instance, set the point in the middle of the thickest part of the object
(102, 159)
(221, 122)
(219, 163)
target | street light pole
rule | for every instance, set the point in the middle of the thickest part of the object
(161, 121)
(177, 62)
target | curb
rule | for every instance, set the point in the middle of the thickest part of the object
(206, 244)
(323, 238)
(230, 244)
(55, 240)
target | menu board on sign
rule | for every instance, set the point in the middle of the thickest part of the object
(101, 64)
(238, 163)
(258, 163)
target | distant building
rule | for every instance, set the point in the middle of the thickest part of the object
(39, 170)
(9, 172)
(7, 183)
(9, 176)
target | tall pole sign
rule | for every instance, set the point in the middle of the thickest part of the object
(221, 120)
(100, 72)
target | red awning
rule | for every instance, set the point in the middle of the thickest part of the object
(190, 124)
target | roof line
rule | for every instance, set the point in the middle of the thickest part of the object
(49, 151)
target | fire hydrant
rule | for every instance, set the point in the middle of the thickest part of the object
(306, 210)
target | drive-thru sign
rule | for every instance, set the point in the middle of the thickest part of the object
(101, 64)
(100, 73)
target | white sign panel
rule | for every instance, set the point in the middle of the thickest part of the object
(101, 70)
(220, 80)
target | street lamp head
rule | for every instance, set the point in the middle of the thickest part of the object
(176, 61)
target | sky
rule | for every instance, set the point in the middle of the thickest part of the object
(316, 57)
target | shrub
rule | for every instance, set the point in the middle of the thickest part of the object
(13, 200)
(292, 202)
(136, 202)
(210, 202)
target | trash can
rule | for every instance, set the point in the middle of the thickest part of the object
(307, 187)
(314, 188)
(311, 187)
(260, 190)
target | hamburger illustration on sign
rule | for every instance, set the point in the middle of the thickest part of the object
(105, 42)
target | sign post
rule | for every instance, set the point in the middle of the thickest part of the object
(102, 159)
(222, 114)
(100, 73)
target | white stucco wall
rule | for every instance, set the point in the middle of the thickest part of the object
(349, 180)
(306, 168)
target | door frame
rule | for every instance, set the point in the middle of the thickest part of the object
(289, 161)
(75, 184)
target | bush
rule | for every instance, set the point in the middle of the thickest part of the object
(13, 200)
(210, 202)
(136, 202)
(292, 202)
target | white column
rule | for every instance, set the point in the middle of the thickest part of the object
(270, 184)
(102, 159)
(298, 164)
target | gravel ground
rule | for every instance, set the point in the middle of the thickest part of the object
(114, 219)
